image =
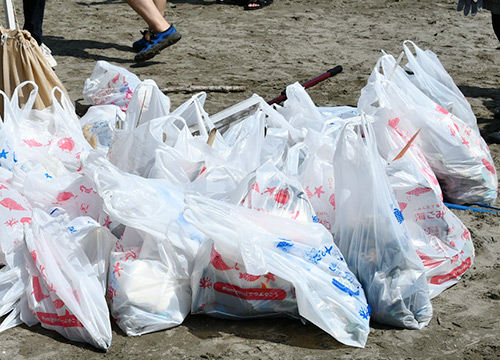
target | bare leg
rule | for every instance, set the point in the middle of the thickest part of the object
(160, 5)
(149, 12)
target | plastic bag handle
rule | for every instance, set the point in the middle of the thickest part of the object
(291, 166)
(171, 119)
(6, 109)
(204, 121)
(65, 103)
(31, 99)
(407, 50)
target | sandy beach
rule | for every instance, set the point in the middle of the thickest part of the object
(264, 51)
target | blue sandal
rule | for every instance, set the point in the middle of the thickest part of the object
(139, 44)
(157, 43)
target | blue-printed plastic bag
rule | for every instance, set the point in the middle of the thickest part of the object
(303, 254)
(371, 232)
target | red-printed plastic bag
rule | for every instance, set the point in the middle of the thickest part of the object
(372, 234)
(226, 290)
(15, 211)
(110, 84)
(456, 153)
(270, 191)
(64, 292)
(253, 247)
(440, 238)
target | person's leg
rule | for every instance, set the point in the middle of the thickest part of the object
(149, 12)
(33, 18)
(161, 5)
(161, 33)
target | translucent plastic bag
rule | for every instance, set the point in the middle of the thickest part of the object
(299, 109)
(224, 289)
(63, 291)
(441, 240)
(7, 135)
(46, 136)
(133, 150)
(152, 262)
(458, 156)
(15, 211)
(149, 286)
(272, 192)
(303, 254)
(235, 293)
(147, 103)
(98, 125)
(429, 75)
(371, 233)
(153, 206)
(312, 162)
(48, 189)
(110, 85)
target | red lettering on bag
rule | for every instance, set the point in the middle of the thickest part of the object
(250, 294)
(37, 290)
(459, 270)
(428, 261)
(65, 320)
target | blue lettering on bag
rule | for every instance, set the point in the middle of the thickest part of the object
(344, 288)
(399, 215)
(285, 245)
(365, 313)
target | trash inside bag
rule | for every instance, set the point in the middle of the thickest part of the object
(303, 254)
(371, 233)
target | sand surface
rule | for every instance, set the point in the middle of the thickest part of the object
(264, 51)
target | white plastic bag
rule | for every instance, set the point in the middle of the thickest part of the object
(47, 136)
(429, 75)
(229, 291)
(270, 191)
(153, 206)
(149, 286)
(147, 103)
(7, 135)
(441, 240)
(152, 262)
(110, 84)
(63, 291)
(48, 189)
(15, 211)
(313, 164)
(223, 288)
(98, 125)
(371, 233)
(302, 254)
(458, 156)
(299, 109)
(133, 150)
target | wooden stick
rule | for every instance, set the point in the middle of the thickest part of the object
(198, 88)
(405, 149)
(211, 137)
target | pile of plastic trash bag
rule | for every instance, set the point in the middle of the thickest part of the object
(139, 214)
